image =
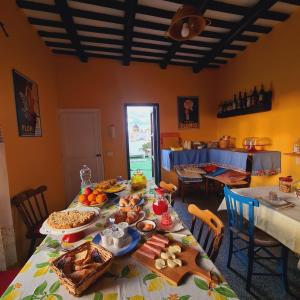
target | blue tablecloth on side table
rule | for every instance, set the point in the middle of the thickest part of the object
(171, 159)
(263, 163)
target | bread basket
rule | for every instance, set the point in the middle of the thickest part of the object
(76, 289)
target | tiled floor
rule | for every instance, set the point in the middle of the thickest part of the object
(263, 287)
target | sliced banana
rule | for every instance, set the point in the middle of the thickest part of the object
(178, 262)
(165, 255)
(171, 263)
(174, 249)
(160, 264)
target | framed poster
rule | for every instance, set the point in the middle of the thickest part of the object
(188, 112)
(27, 105)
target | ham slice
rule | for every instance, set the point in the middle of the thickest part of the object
(146, 252)
(160, 238)
(153, 248)
(156, 243)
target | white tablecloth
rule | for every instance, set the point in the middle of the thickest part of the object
(283, 223)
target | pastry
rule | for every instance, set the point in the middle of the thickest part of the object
(70, 219)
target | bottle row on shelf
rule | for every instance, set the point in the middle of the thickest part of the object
(251, 102)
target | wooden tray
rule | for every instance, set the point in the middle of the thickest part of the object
(175, 275)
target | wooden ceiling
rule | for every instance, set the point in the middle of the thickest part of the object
(134, 30)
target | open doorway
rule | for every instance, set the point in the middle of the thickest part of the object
(142, 139)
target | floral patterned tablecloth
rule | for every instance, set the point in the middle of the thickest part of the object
(126, 279)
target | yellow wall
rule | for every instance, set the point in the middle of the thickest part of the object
(274, 59)
(30, 161)
(107, 85)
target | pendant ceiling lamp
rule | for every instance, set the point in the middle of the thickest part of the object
(186, 23)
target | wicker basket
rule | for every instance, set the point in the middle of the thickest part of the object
(77, 289)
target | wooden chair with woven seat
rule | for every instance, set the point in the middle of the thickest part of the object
(240, 212)
(32, 206)
(212, 240)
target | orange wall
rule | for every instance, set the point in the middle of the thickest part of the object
(273, 59)
(107, 85)
(30, 161)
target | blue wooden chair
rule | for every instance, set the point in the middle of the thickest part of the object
(240, 212)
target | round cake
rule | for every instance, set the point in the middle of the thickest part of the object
(70, 219)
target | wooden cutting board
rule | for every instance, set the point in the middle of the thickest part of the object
(175, 275)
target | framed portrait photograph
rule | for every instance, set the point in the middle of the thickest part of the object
(188, 112)
(27, 105)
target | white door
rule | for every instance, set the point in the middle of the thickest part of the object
(81, 145)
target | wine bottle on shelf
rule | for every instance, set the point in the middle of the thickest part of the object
(249, 99)
(234, 102)
(240, 101)
(261, 95)
(255, 97)
(229, 106)
(244, 105)
(224, 106)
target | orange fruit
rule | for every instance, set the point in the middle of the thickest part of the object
(101, 198)
(91, 197)
(82, 198)
(95, 192)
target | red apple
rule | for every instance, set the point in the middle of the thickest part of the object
(87, 191)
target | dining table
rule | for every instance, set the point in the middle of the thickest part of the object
(280, 222)
(126, 279)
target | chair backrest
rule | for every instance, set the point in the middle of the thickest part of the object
(170, 139)
(239, 209)
(32, 206)
(211, 241)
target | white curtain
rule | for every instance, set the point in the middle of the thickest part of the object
(8, 255)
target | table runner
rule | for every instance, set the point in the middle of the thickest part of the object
(283, 224)
(126, 280)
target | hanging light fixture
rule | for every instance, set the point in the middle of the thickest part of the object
(186, 23)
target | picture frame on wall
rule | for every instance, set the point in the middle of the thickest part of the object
(27, 105)
(188, 112)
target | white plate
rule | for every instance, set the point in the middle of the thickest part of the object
(46, 229)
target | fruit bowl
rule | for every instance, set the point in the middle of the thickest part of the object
(92, 197)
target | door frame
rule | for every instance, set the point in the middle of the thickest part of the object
(157, 136)
(98, 128)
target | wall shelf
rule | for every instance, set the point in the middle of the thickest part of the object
(240, 112)
(292, 154)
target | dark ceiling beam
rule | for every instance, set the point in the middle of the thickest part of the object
(130, 11)
(48, 23)
(243, 10)
(81, 27)
(67, 19)
(150, 46)
(82, 38)
(37, 6)
(294, 2)
(106, 3)
(176, 44)
(230, 25)
(119, 57)
(250, 18)
(96, 16)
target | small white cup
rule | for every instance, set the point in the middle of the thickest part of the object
(106, 237)
(118, 238)
(123, 226)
